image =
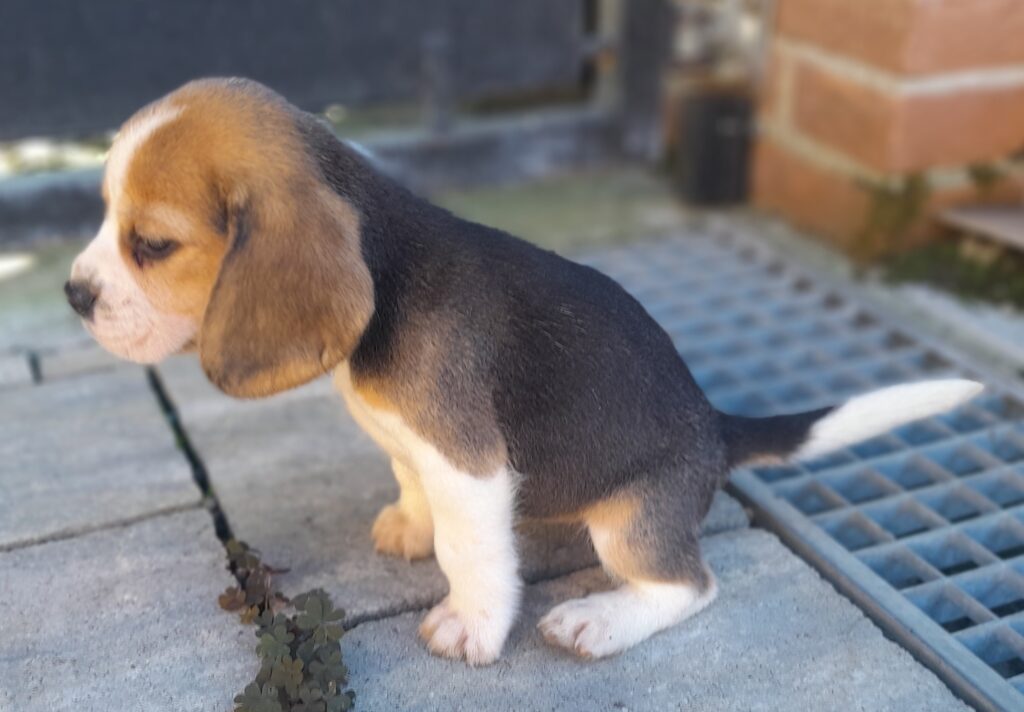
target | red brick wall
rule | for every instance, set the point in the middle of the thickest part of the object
(862, 97)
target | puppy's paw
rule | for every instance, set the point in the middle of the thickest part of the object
(587, 627)
(477, 638)
(396, 533)
(607, 623)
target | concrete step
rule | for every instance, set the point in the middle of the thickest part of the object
(1003, 224)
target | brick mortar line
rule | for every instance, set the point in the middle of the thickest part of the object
(958, 82)
(834, 161)
(75, 532)
(820, 155)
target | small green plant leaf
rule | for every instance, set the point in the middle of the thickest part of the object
(341, 702)
(317, 614)
(328, 668)
(311, 699)
(306, 651)
(274, 644)
(263, 676)
(267, 621)
(287, 674)
(300, 660)
(258, 699)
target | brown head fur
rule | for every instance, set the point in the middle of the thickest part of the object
(274, 270)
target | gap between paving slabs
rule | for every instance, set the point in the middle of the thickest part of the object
(202, 479)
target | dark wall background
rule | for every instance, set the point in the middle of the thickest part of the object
(70, 67)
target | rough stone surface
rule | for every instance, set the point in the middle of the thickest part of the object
(14, 371)
(122, 619)
(84, 453)
(302, 483)
(777, 637)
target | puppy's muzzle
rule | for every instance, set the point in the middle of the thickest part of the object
(81, 296)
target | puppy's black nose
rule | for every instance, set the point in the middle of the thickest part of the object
(81, 297)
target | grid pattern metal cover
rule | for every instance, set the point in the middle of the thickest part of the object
(924, 526)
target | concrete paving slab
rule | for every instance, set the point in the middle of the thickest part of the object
(14, 371)
(122, 619)
(76, 361)
(85, 453)
(299, 481)
(199, 400)
(778, 637)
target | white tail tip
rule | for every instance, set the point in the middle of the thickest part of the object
(864, 417)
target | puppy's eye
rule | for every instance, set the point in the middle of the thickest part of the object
(145, 249)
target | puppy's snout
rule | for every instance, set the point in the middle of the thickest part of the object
(81, 296)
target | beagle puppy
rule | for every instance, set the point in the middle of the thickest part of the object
(503, 380)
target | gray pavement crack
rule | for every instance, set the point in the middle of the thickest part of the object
(74, 532)
(199, 472)
(35, 367)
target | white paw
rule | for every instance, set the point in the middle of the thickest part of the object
(606, 623)
(477, 638)
(397, 534)
(584, 626)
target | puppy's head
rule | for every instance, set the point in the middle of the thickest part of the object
(220, 233)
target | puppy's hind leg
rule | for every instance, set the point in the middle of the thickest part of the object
(406, 527)
(475, 546)
(665, 581)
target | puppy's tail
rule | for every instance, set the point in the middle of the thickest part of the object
(802, 436)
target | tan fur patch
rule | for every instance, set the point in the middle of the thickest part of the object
(611, 522)
(374, 397)
(613, 513)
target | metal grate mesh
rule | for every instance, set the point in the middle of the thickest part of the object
(924, 526)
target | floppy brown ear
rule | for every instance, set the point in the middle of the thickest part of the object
(293, 295)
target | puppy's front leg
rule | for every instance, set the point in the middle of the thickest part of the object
(406, 527)
(475, 545)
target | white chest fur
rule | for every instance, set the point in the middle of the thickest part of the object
(387, 429)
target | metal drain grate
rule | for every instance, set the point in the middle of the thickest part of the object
(923, 527)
